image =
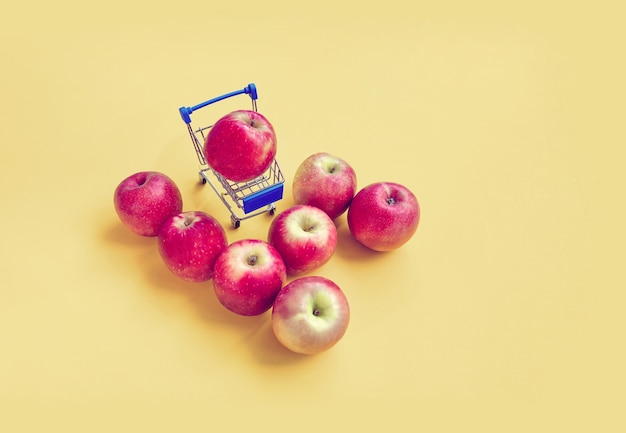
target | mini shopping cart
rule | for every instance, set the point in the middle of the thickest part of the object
(243, 199)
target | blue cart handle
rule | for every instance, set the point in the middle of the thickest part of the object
(185, 112)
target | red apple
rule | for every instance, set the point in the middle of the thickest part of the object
(247, 276)
(383, 216)
(325, 181)
(310, 315)
(241, 145)
(144, 200)
(305, 237)
(189, 243)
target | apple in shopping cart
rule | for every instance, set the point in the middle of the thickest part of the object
(247, 276)
(241, 145)
(144, 200)
(383, 216)
(305, 237)
(324, 181)
(189, 243)
(310, 315)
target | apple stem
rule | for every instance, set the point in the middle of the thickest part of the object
(391, 201)
(316, 312)
(252, 260)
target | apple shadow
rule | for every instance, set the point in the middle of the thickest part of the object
(199, 294)
(118, 234)
(156, 276)
(144, 261)
(126, 250)
(348, 247)
(268, 350)
(256, 331)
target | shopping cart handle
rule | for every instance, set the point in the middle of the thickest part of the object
(185, 112)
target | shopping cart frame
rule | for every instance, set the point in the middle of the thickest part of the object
(254, 197)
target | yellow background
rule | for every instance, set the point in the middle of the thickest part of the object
(504, 313)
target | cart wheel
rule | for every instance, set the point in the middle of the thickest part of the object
(236, 222)
(272, 211)
(202, 180)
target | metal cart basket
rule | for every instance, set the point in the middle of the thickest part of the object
(243, 199)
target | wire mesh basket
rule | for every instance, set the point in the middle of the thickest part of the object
(243, 199)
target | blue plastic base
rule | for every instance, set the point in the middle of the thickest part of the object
(262, 198)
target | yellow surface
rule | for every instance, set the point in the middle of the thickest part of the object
(503, 314)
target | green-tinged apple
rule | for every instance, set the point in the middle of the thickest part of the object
(383, 216)
(324, 181)
(144, 200)
(305, 237)
(189, 243)
(241, 145)
(310, 315)
(247, 276)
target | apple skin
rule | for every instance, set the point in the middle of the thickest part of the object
(383, 216)
(305, 237)
(144, 200)
(310, 315)
(189, 243)
(247, 276)
(241, 145)
(325, 181)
